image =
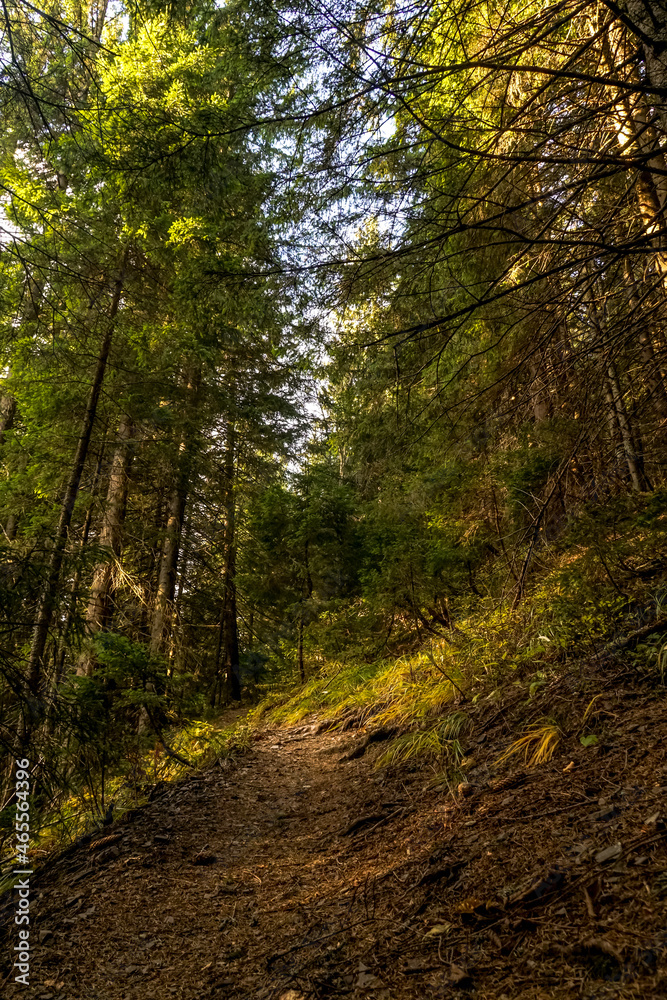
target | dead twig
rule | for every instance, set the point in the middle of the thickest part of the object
(445, 674)
(309, 944)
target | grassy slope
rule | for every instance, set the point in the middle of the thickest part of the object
(600, 605)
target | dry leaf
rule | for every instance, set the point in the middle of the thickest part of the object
(437, 930)
(608, 854)
(458, 976)
(366, 980)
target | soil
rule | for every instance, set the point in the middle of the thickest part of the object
(298, 871)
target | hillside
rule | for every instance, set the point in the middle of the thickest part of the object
(299, 870)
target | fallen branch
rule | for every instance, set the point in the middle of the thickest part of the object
(363, 821)
(165, 746)
(172, 753)
(632, 640)
(445, 674)
(309, 944)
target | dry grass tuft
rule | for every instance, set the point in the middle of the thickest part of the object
(537, 745)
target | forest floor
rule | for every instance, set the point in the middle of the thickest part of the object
(297, 870)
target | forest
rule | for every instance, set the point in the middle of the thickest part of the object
(334, 362)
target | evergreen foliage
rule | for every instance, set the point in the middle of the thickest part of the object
(333, 352)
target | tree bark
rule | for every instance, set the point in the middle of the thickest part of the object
(628, 449)
(228, 622)
(166, 582)
(637, 132)
(631, 447)
(176, 504)
(302, 669)
(50, 591)
(309, 594)
(7, 414)
(654, 381)
(539, 390)
(100, 603)
(615, 438)
(71, 611)
(650, 18)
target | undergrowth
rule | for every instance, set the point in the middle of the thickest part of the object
(595, 590)
(200, 743)
(603, 581)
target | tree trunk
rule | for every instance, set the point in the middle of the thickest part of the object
(71, 611)
(185, 560)
(176, 504)
(100, 603)
(98, 14)
(539, 391)
(302, 670)
(636, 133)
(7, 414)
(654, 380)
(628, 449)
(228, 621)
(50, 592)
(620, 463)
(309, 594)
(166, 581)
(631, 447)
(650, 18)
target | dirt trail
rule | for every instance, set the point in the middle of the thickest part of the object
(298, 871)
(235, 883)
